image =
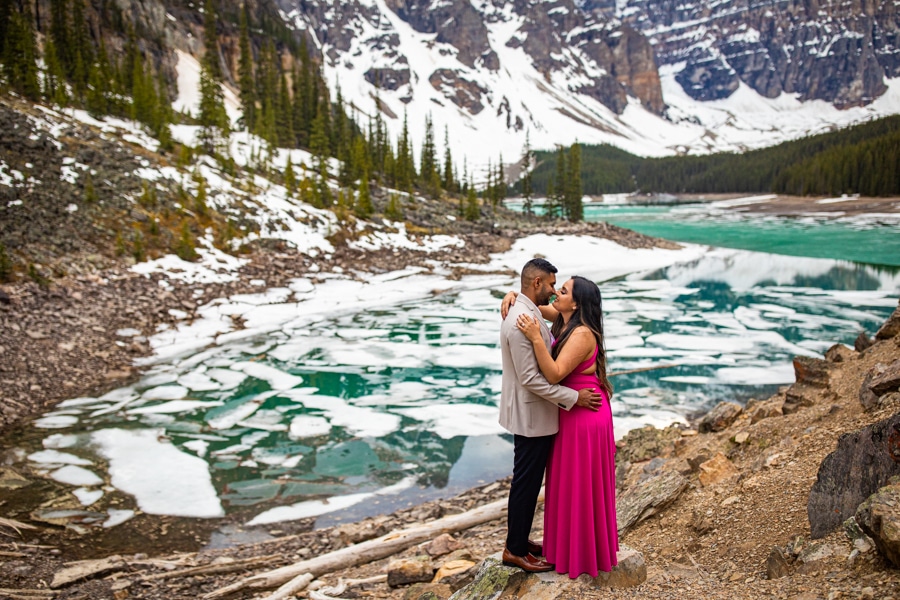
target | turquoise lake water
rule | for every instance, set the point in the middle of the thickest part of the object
(873, 240)
(377, 406)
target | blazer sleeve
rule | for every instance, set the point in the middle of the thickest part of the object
(530, 376)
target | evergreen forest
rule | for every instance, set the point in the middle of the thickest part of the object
(864, 159)
(90, 54)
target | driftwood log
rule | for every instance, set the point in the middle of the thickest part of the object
(365, 552)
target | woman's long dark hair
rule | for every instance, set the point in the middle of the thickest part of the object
(587, 298)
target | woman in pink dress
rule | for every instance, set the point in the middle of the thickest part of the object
(580, 532)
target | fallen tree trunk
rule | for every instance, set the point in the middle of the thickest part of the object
(368, 551)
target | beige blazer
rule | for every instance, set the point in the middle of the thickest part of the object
(529, 404)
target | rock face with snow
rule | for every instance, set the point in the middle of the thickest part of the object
(828, 50)
(581, 53)
(638, 74)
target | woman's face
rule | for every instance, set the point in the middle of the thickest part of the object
(565, 303)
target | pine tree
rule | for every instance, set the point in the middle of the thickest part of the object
(574, 192)
(214, 125)
(268, 93)
(247, 82)
(200, 205)
(394, 211)
(318, 144)
(448, 182)
(360, 159)
(527, 184)
(20, 54)
(90, 193)
(54, 77)
(283, 119)
(304, 99)
(551, 207)
(82, 49)
(59, 33)
(473, 212)
(290, 180)
(163, 116)
(500, 184)
(428, 168)
(406, 173)
(6, 11)
(143, 96)
(342, 205)
(364, 207)
(211, 41)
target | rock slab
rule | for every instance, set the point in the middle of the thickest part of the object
(494, 579)
(647, 498)
(879, 518)
(863, 462)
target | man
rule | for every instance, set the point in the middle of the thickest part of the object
(529, 409)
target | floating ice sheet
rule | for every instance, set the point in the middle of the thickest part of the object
(162, 479)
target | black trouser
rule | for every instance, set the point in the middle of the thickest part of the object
(528, 472)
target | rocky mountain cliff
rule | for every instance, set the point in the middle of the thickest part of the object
(839, 52)
(638, 74)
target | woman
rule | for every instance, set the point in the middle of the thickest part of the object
(580, 532)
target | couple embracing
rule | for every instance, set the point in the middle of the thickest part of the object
(555, 401)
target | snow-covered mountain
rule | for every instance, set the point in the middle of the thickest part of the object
(654, 77)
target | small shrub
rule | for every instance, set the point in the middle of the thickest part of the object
(184, 247)
(6, 266)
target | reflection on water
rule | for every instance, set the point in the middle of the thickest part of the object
(373, 410)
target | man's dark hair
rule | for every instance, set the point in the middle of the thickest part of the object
(535, 268)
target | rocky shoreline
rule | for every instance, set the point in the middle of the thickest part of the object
(721, 508)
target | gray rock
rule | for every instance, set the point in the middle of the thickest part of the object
(645, 443)
(888, 380)
(880, 380)
(867, 397)
(879, 517)
(720, 417)
(863, 462)
(648, 498)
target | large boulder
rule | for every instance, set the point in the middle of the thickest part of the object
(863, 462)
(891, 327)
(720, 417)
(648, 498)
(879, 518)
(494, 579)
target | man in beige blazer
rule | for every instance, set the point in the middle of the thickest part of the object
(529, 409)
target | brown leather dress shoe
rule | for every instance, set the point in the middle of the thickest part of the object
(526, 563)
(535, 548)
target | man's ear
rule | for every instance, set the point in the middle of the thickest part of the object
(537, 282)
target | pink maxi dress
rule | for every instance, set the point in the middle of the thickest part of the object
(580, 532)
